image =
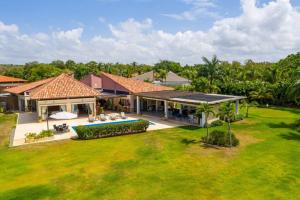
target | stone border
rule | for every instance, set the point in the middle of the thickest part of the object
(12, 135)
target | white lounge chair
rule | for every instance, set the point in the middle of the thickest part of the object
(103, 117)
(123, 116)
(112, 117)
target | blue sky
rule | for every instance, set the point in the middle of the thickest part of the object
(95, 18)
(47, 15)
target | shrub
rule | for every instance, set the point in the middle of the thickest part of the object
(110, 130)
(220, 138)
(216, 123)
(238, 117)
(42, 134)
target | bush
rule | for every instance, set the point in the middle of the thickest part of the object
(110, 130)
(42, 134)
(238, 117)
(220, 138)
(216, 123)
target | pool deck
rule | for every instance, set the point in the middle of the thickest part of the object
(27, 122)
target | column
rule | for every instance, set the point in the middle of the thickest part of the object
(203, 120)
(19, 104)
(131, 102)
(138, 108)
(237, 107)
(26, 105)
(166, 109)
(180, 109)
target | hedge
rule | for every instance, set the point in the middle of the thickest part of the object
(110, 130)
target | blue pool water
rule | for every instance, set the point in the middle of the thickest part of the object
(117, 122)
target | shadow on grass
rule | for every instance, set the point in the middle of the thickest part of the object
(292, 126)
(30, 192)
(291, 110)
(189, 141)
(190, 128)
(290, 136)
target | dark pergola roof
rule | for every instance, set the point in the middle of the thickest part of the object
(189, 97)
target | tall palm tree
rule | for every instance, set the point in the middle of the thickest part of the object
(248, 104)
(294, 91)
(207, 110)
(211, 68)
(162, 75)
(227, 111)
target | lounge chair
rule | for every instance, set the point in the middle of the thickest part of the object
(123, 116)
(102, 117)
(92, 119)
(112, 117)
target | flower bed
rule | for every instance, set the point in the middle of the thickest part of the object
(34, 137)
(110, 130)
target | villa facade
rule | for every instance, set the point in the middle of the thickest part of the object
(116, 94)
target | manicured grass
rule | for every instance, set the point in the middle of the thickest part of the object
(165, 164)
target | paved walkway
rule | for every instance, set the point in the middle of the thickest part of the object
(27, 122)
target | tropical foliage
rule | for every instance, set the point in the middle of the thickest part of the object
(264, 82)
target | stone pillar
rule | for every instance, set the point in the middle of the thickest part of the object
(19, 104)
(138, 105)
(156, 105)
(202, 122)
(166, 109)
(237, 107)
(180, 109)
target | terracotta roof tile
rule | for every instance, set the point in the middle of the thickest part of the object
(27, 86)
(8, 79)
(63, 86)
(136, 86)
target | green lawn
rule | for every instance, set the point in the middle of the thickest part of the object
(165, 164)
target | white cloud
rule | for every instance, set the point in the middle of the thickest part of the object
(268, 32)
(199, 8)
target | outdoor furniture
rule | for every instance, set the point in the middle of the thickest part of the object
(61, 128)
(103, 117)
(92, 119)
(123, 116)
(112, 116)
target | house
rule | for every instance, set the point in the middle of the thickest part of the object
(61, 93)
(8, 82)
(6, 100)
(118, 93)
(172, 79)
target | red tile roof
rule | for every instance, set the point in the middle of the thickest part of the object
(29, 86)
(63, 86)
(136, 86)
(8, 79)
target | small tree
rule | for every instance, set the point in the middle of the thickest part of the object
(227, 111)
(207, 110)
(248, 104)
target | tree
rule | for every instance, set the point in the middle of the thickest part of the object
(248, 104)
(227, 111)
(207, 110)
(162, 74)
(294, 91)
(211, 67)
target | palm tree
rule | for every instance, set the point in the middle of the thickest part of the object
(227, 111)
(248, 104)
(294, 91)
(162, 74)
(207, 110)
(211, 68)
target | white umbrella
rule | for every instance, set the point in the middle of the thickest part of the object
(63, 115)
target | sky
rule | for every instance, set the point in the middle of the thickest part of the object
(146, 31)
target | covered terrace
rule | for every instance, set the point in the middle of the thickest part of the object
(181, 105)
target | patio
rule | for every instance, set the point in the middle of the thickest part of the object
(27, 122)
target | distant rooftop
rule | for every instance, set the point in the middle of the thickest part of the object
(171, 78)
(8, 79)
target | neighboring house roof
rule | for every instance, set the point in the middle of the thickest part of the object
(63, 86)
(8, 79)
(28, 86)
(190, 97)
(92, 80)
(135, 86)
(146, 76)
(172, 77)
